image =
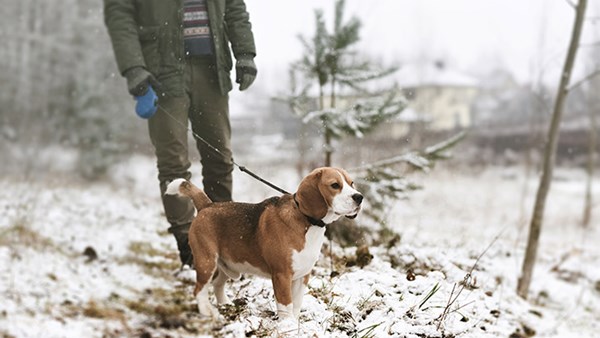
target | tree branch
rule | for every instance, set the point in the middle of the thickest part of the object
(417, 158)
(585, 79)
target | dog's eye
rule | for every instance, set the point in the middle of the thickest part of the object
(335, 185)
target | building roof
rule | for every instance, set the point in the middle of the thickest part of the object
(410, 115)
(433, 75)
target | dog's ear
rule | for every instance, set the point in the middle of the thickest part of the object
(309, 198)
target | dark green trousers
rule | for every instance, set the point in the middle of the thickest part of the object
(207, 110)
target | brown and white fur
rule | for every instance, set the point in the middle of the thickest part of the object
(275, 238)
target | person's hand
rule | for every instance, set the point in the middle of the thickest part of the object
(146, 104)
(245, 71)
(138, 81)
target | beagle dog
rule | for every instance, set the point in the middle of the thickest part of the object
(279, 238)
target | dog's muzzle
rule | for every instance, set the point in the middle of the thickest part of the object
(357, 198)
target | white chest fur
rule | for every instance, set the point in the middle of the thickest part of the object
(304, 260)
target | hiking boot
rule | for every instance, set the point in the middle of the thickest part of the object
(180, 232)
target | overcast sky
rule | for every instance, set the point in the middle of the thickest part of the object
(523, 36)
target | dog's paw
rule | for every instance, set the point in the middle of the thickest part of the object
(204, 307)
(207, 310)
(287, 327)
(222, 298)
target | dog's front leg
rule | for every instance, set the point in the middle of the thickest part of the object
(282, 286)
(298, 287)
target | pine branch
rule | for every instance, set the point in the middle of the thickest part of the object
(380, 182)
(421, 160)
(363, 116)
(437, 150)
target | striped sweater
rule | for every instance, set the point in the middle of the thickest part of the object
(196, 29)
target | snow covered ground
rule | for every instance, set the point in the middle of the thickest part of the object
(94, 260)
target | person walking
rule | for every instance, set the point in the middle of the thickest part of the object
(178, 53)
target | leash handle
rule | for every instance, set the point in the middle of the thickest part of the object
(245, 170)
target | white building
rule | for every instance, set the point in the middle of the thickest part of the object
(439, 97)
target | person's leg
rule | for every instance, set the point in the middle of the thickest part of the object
(168, 133)
(209, 115)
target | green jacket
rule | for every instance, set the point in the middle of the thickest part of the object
(149, 33)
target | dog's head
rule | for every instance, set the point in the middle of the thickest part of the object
(327, 194)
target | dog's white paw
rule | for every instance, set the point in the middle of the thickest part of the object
(222, 298)
(207, 310)
(204, 306)
(287, 327)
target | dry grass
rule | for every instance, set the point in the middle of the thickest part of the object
(94, 309)
(152, 260)
(21, 235)
(6, 335)
(20, 232)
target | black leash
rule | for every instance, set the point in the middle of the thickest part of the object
(242, 168)
(311, 220)
(260, 179)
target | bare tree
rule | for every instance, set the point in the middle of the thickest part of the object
(550, 154)
(587, 208)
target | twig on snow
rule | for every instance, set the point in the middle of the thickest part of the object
(452, 299)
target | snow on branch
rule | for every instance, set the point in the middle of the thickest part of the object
(361, 117)
(422, 160)
(382, 182)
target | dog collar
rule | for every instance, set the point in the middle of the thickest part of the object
(311, 220)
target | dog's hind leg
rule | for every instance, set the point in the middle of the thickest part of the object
(235, 275)
(218, 283)
(205, 268)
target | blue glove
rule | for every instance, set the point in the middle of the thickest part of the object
(147, 104)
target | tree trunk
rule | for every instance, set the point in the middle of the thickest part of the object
(327, 133)
(587, 209)
(549, 156)
(328, 148)
(23, 95)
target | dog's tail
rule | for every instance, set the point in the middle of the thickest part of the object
(184, 187)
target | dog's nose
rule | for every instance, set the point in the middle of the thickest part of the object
(357, 198)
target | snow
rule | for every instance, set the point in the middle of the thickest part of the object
(50, 288)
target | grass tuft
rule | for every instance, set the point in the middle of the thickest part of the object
(429, 294)
(367, 332)
(21, 235)
(94, 309)
(152, 260)
(234, 310)
(324, 293)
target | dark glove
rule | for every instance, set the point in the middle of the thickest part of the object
(245, 71)
(138, 81)
(146, 104)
